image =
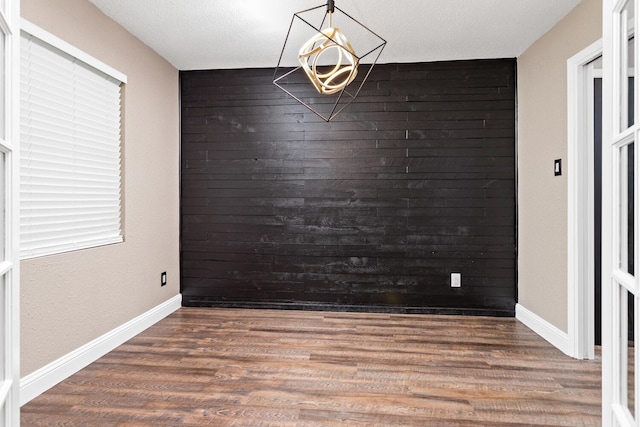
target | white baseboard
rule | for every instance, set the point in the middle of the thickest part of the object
(46, 377)
(546, 330)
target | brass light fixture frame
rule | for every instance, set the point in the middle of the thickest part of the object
(334, 79)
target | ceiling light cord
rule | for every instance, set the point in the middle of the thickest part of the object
(330, 9)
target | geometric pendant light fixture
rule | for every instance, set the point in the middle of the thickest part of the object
(326, 59)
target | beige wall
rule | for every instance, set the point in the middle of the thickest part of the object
(70, 299)
(542, 137)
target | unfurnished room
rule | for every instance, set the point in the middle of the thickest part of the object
(319, 213)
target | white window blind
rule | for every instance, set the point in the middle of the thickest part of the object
(70, 152)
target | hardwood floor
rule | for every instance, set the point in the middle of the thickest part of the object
(225, 367)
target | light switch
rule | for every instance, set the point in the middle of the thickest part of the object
(557, 167)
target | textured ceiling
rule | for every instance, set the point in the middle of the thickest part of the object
(215, 34)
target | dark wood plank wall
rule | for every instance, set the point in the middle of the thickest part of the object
(370, 212)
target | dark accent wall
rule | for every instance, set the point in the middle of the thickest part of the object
(370, 212)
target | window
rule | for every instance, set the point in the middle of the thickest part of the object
(70, 148)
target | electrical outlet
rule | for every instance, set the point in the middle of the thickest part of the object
(163, 278)
(456, 280)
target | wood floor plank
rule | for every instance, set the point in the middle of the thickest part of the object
(229, 367)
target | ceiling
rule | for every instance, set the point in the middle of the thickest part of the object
(217, 34)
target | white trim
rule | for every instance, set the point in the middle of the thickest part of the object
(610, 114)
(546, 330)
(46, 377)
(5, 390)
(580, 204)
(11, 146)
(62, 45)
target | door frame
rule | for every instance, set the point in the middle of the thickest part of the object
(580, 209)
(617, 282)
(10, 264)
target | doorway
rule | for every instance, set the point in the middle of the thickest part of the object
(584, 104)
(597, 205)
(585, 201)
(596, 104)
